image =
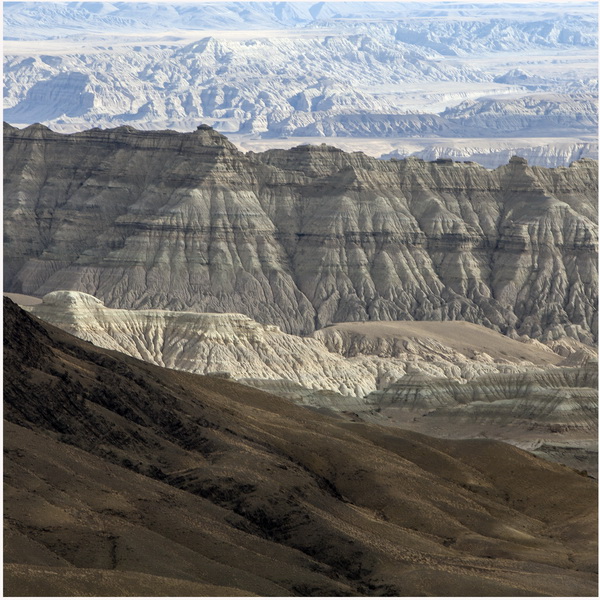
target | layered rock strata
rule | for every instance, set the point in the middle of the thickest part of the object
(300, 238)
(550, 412)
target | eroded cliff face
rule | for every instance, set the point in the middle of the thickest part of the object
(300, 238)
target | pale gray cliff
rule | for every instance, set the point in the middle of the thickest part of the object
(300, 238)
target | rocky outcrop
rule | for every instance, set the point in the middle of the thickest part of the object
(421, 393)
(534, 115)
(531, 113)
(234, 346)
(300, 238)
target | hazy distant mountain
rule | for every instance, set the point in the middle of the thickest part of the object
(327, 69)
(461, 29)
(491, 155)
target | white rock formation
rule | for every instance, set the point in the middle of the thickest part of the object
(235, 346)
(447, 379)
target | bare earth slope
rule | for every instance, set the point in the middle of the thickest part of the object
(134, 470)
(299, 238)
(387, 338)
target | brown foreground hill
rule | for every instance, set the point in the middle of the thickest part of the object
(124, 478)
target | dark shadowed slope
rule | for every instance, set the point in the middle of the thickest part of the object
(123, 477)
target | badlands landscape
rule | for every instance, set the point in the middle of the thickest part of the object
(420, 375)
(300, 299)
(390, 299)
(427, 79)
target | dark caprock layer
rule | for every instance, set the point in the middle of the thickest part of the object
(122, 477)
(302, 237)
